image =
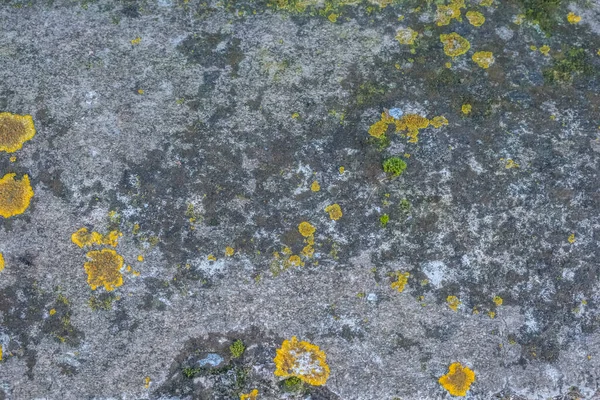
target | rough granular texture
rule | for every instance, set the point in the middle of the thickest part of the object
(410, 185)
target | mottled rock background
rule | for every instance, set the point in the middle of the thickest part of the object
(208, 133)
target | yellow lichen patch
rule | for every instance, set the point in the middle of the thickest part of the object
(458, 380)
(52, 311)
(484, 59)
(303, 360)
(253, 395)
(140, 258)
(1, 262)
(12, 159)
(295, 261)
(453, 302)
(466, 109)
(83, 238)
(315, 187)
(147, 382)
(406, 36)
(333, 17)
(379, 128)
(545, 49)
(438, 122)
(486, 3)
(401, 282)
(335, 211)
(308, 251)
(412, 123)
(14, 131)
(0, 352)
(211, 257)
(295, 115)
(570, 239)
(491, 314)
(342, 170)
(229, 251)
(519, 19)
(15, 195)
(306, 229)
(448, 65)
(498, 300)
(454, 44)
(137, 40)
(446, 13)
(475, 18)
(573, 18)
(104, 269)
(511, 164)
(111, 239)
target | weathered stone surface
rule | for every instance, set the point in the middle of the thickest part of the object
(194, 129)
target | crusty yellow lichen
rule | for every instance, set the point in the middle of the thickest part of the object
(1, 262)
(475, 18)
(406, 36)
(303, 360)
(446, 13)
(103, 269)
(410, 123)
(570, 239)
(15, 195)
(454, 44)
(14, 131)
(295, 261)
(466, 109)
(0, 352)
(498, 300)
(401, 282)
(458, 380)
(253, 395)
(484, 59)
(545, 50)
(335, 211)
(83, 238)
(306, 229)
(315, 187)
(438, 122)
(573, 18)
(229, 251)
(453, 302)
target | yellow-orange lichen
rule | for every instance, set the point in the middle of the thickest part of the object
(545, 50)
(315, 187)
(15, 195)
(438, 122)
(454, 44)
(475, 18)
(0, 352)
(573, 18)
(306, 229)
(498, 300)
(453, 302)
(458, 380)
(335, 211)
(466, 109)
(83, 238)
(401, 282)
(406, 36)
(1, 262)
(379, 128)
(229, 251)
(571, 238)
(446, 13)
(484, 58)
(103, 269)
(412, 123)
(14, 131)
(253, 395)
(295, 261)
(303, 360)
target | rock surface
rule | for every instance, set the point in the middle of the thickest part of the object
(194, 130)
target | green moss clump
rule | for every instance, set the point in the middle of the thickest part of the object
(383, 220)
(189, 372)
(237, 348)
(542, 12)
(293, 385)
(568, 64)
(405, 205)
(394, 166)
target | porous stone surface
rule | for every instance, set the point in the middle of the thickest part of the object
(193, 126)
